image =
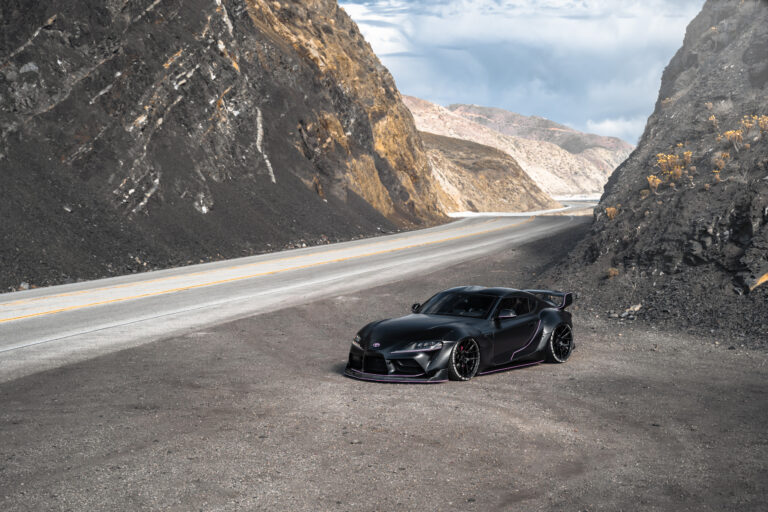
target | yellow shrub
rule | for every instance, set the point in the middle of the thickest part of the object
(653, 182)
(613, 272)
(611, 212)
(713, 120)
(748, 122)
(735, 137)
(762, 122)
(687, 156)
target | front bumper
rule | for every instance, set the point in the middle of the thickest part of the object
(385, 366)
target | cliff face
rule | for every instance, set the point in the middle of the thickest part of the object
(143, 134)
(605, 153)
(555, 170)
(684, 221)
(475, 178)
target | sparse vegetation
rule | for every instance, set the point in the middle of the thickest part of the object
(735, 137)
(612, 272)
(653, 183)
(762, 122)
(611, 212)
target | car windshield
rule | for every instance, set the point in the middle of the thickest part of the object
(460, 304)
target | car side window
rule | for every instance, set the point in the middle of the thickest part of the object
(514, 306)
(523, 305)
(507, 308)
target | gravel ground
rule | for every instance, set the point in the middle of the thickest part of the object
(255, 415)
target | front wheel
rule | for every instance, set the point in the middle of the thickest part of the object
(560, 344)
(464, 361)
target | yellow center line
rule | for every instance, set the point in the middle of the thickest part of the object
(211, 271)
(251, 276)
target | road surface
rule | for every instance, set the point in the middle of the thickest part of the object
(255, 414)
(46, 328)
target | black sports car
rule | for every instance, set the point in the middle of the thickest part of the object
(463, 332)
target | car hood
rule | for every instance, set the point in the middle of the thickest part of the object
(417, 327)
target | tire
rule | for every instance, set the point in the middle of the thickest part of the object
(464, 361)
(560, 344)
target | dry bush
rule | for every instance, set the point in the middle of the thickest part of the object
(715, 123)
(612, 272)
(735, 137)
(709, 105)
(653, 183)
(762, 123)
(645, 193)
(611, 212)
(747, 123)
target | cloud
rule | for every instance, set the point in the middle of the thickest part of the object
(569, 60)
(626, 129)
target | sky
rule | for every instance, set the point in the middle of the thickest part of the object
(594, 65)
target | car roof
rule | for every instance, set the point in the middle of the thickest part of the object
(495, 291)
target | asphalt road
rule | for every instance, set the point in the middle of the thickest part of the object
(45, 328)
(255, 414)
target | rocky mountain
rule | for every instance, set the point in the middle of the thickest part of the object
(144, 134)
(683, 225)
(473, 177)
(606, 153)
(557, 171)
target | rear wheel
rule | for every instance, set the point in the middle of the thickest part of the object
(560, 344)
(465, 360)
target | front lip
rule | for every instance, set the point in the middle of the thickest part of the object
(439, 376)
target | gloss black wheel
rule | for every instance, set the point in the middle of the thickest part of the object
(465, 360)
(560, 344)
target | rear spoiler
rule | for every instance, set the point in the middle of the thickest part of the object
(560, 300)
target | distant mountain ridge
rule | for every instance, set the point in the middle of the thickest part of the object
(474, 177)
(605, 152)
(555, 170)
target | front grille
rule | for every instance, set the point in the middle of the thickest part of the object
(407, 367)
(374, 363)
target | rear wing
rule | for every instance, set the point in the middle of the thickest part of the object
(560, 300)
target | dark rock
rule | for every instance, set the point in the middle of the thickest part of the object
(194, 133)
(708, 232)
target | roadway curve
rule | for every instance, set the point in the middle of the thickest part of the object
(46, 328)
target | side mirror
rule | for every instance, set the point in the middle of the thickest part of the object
(506, 313)
(416, 307)
(567, 300)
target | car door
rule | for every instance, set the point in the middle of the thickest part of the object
(515, 323)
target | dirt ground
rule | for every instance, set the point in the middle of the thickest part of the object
(256, 415)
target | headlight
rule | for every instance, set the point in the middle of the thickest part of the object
(356, 341)
(426, 346)
(422, 346)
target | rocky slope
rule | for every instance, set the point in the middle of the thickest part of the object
(683, 225)
(606, 153)
(144, 134)
(555, 170)
(474, 177)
